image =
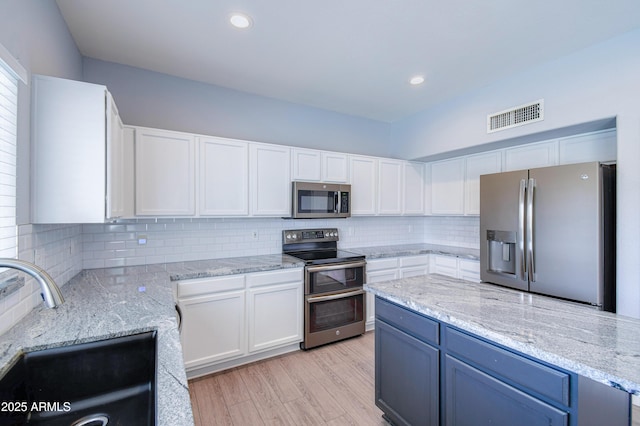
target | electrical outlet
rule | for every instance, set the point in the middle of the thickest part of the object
(142, 240)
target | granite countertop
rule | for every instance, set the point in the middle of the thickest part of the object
(230, 266)
(379, 252)
(112, 302)
(599, 345)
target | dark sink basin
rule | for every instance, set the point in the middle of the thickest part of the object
(87, 384)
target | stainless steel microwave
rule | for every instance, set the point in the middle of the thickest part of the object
(313, 200)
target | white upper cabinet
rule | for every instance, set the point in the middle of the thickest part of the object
(413, 197)
(390, 186)
(427, 189)
(596, 146)
(270, 180)
(307, 164)
(447, 187)
(319, 166)
(120, 155)
(363, 172)
(529, 156)
(77, 153)
(476, 165)
(165, 173)
(224, 177)
(335, 167)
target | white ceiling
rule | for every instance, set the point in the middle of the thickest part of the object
(349, 56)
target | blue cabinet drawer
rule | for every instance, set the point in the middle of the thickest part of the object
(521, 372)
(411, 323)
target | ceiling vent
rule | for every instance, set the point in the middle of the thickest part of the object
(516, 116)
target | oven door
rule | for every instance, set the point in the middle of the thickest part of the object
(334, 317)
(334, 277)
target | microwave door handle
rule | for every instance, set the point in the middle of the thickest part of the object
(336, 204)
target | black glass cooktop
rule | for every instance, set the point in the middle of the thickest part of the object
(314, 257)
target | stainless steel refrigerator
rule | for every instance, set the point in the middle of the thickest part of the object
(551, 231)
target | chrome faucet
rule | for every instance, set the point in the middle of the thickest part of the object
(50, 290)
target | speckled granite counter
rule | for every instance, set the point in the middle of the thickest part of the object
(379, 252)
(105, 303)
(230, 266)
(599, 345)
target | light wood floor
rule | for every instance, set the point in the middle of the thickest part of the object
(328, 385)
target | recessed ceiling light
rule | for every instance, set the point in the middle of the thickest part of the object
(240, 20)
(416, 80)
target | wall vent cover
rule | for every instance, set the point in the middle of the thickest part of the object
(516, 116)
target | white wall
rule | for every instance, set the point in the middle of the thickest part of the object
(151, 99)
(594, 84)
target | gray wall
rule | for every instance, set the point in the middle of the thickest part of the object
(34, 32)
(146, 98)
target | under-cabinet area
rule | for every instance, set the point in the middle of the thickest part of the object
(444, 355)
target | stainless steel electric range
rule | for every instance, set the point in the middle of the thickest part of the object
(334, 301)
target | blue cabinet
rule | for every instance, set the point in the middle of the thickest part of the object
(473, 397)
(407, 377)
(431, 373)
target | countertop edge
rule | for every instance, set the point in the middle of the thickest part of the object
(404, 250)
(530, 350)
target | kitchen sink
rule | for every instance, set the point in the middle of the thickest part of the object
(107, 382)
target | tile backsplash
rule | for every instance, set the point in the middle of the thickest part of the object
(55, 248)
(148, 241)
(141, 241)
(64, 250)
(460, 231)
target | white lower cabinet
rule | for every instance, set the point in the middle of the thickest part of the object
(412, 266)
(213, 319)
(455, 267)
(469, 270)
(235, 319)
(378, 270)
(391, 268)
(275, 309)
(444, 265)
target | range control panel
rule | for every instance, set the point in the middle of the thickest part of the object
(309, 235)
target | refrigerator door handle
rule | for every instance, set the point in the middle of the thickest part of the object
(520, 239)
(529, 233)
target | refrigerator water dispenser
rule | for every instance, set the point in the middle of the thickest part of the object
(502, 251)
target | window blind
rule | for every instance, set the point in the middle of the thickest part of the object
(8, 141)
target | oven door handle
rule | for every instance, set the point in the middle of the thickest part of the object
(335, 296)
(334, 266)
